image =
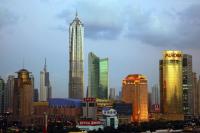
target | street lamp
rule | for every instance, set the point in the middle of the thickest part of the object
(45, 122)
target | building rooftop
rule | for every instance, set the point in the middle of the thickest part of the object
(64, 102)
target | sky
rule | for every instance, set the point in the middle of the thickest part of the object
(131, 33)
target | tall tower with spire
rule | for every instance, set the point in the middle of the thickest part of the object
(76, 78)
(45, 86)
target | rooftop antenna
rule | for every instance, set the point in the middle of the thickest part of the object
(45, 64)
(23, 63)
(76, 13)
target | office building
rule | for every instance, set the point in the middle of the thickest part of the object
(155, 99)
(112, 93)
(2, 96)
(10, 89)
(45, 86)
(93, 75)
(196, 95)
(98, 76)
(89, 107)
(57, 109)
(171, 91)
(124, 112)
(23, 98)
(35, 95)
(187, 86)
(155, 95)
(103, 80)
(76, 73)
(135, 91)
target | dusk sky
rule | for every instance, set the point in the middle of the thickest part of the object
(131, 33)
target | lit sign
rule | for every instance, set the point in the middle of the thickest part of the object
(89, 123)
(89, 99)
(173, 55)
(109, 112)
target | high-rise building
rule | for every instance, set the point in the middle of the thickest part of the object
(10, 91)
(76, 76)
(93, 75)
(23, 98)
(112, 93)
(155, 99)
(135, 91)
(35, 95)
(45, 86)
(155, 95)
(171, 91)
(103, 78)
(187, 86)
(196, 95)
(2, 96)
(97, 76)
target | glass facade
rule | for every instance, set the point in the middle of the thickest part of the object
(171, 83)
(103, 79)
(2, 95)
(97, 76)
(93, 75)
(187, 85)
(76, 78)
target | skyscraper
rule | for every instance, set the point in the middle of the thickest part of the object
(155, 99)
(187, 86)
(171, 91)
(23, 98)
(155, 95)
(35, 95)
(45, 86)
(112, 93)
(76, 76)
(196, 95)
(135, 91)
(97, 76)
(10, 89)
(103, 79)
(2, 95)
(93, 75)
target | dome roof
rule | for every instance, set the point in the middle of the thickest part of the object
(23, 70)
(135, 77)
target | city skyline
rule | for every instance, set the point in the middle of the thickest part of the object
(24, 36)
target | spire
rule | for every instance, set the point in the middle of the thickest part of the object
(23, 63)
(76, 14)
(45, 65)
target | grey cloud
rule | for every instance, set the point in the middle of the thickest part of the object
(95, 28)
(94, 31)
(189, 27)
(184, 29)
(7, 18)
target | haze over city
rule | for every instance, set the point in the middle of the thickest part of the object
(130, 33)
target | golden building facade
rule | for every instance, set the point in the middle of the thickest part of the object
(23, 98)
(135, 91)
(171, 85)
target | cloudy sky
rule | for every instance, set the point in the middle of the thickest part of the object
(131, 33)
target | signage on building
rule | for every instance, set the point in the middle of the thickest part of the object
(173, 55)
(89, 99)
(156, 107)
(89, 122)
(109, 112)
